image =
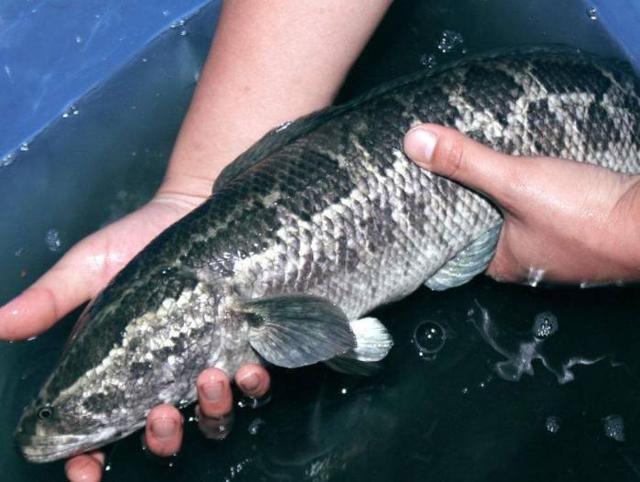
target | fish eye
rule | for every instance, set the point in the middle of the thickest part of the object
(45, 412)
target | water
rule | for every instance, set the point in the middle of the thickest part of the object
(511, 395)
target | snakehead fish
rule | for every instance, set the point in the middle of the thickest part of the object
(317, 224)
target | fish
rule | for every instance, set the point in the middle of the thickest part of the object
(321, 221)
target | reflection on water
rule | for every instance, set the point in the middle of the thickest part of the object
(450, 403)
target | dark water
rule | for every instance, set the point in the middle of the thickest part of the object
(469, 392)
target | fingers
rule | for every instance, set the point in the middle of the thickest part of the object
(215, 404)
(163, 433)
(85, 467)
(448, 153)
(60, 290)
(253, 380)
(215, 400)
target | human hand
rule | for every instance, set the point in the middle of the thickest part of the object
(564, 221)
(79, 276)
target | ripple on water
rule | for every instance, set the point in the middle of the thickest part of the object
(552, 424)
(52, 238)
(545, 324)
(613, 426)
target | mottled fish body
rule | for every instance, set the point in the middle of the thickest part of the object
(317, 224)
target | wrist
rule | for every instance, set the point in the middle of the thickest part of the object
(182, 195)
(626, 222)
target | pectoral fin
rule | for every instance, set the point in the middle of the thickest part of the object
(297, 330)
(468, 263)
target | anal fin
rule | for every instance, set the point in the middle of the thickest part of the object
(373, 343)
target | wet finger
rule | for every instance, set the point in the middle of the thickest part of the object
(215, 404)
(253, 380)
(85, 467)
(163, 433)
(59, 291)
(214, 393)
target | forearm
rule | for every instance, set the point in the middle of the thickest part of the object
(269, 62)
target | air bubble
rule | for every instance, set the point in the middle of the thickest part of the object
(24, 147)
(552, 424)
(449, 40)
(614, 427)
(592, 13)
(183, 33)
(166, 13)
(255, 426)
(545, 324)
(52, 238)
(7, 160)
(428, 61)
(429, 338)
(78, 39)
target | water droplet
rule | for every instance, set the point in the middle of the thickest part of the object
(428, 61)
(24, 147)
(18, 252)
(166, 13)
(283, 126)
(464, 390)
(183, 33)
(255, 426)
(614, 427)
(177, 23)
(552, 424)
(78, 39)
(534, 276)
(52, 238)
(72, 110)
(545, 324)
(449, 40)
(107, 467)
(429, 338)
(592, 13)
(7, 160)
(144, 59)
(343, 391)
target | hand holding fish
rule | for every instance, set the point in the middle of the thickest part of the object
(79, 276)
(563, 221)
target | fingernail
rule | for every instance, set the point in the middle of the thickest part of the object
(250, 383)
(419, 145)
(213, 391)
(164, 428)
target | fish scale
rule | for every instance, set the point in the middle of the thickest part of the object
(321, 221)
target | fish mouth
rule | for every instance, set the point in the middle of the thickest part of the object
(49, 448)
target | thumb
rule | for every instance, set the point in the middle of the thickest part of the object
(449, 153)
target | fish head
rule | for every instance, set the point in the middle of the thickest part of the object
(131, 350)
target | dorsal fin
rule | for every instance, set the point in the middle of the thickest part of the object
(279, 137)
